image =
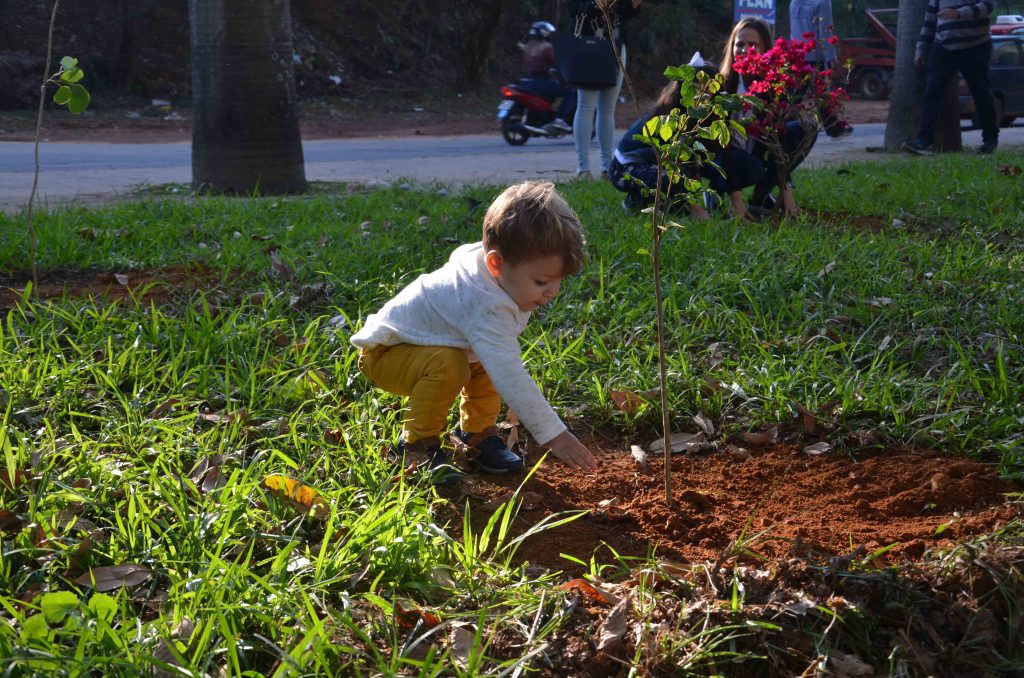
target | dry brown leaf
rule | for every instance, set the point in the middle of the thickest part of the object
(162, 409)
(807, 419)
(213, 480)
(1010, 170)
(407, 619)
(460, 642)
(121, 278)
(220, 418)
(639, 456)
(765, 437)
(626, 401)
(818, 448)
(705, 423)
(829, 267)
(591, 593)
(280, 268)
(844, 665)
(298, 494)
(612, 629)
(677, 442)
(115, 576)
(608, 503)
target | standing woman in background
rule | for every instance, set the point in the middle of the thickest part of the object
(588, 19)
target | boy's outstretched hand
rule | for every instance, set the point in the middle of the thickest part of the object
(566, 447)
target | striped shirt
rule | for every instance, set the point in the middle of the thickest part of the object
(970, 29)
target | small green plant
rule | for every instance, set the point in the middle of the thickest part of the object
(681, 141)
(71, 93)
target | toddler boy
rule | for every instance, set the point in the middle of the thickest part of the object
(456, 330)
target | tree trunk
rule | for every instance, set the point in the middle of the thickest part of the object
(948, 137)
(245, 136)
(907, 81)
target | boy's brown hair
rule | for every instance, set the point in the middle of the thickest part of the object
(531, 220)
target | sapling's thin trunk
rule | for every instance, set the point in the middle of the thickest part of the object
(656, 265)
(32, 239)
(659, 305)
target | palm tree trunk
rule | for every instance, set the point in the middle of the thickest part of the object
(245, 136)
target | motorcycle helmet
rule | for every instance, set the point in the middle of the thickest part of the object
(541, 30)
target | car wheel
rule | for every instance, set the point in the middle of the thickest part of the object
(871, 85)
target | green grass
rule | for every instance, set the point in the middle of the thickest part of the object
(912, 330)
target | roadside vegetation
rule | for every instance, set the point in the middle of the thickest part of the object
(194, 478)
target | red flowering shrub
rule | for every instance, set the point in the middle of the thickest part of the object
(784, 87)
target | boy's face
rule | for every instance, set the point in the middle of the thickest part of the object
(530, 283)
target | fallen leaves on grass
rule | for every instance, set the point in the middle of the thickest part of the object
(407, 619)
(297, 494)
(115, 576)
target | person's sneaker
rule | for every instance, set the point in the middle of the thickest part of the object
(841, 130)
(560, 125)
(987, 147)
(917, 147)
(762, 204)
(427, 453)
(493, 455)
(632, 203)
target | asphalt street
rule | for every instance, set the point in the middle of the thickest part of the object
(90, 173)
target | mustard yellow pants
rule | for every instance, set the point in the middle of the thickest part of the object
(431, 377)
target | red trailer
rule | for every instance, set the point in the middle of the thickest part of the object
(873, 57)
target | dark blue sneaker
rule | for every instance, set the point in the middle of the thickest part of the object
(917, 147)
(493, 455)
(427, 453)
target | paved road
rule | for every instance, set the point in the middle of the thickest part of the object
(95, 173)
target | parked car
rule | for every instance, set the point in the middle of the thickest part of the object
(1007, 23)
(1006, 73)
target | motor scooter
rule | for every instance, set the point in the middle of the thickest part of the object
(524, 113)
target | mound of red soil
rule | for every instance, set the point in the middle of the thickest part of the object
(788, 503)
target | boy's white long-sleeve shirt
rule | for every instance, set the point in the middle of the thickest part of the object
(462, 305)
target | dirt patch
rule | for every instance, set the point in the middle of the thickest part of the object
(157, 285)
(474, 115)
(792, 504)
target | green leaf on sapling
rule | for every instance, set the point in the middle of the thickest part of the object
(79, 99)
(62, 95)
(67, 63)
(73, 75)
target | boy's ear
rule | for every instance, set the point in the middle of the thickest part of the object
(494, 262)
